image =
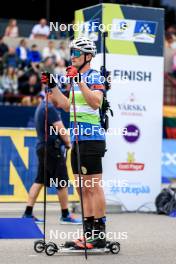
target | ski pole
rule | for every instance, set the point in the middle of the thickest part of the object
(45, 162)
(79, 168)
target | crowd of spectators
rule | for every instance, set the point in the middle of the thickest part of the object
(170, 66)
(21, 67)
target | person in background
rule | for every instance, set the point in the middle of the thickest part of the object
(56, 162)
(31, 86)
(10, 59)
(12, 29)
(51, 51)
(23, 53)
(47, 65)
(64, 52)
(35, 58)
(172, 31)
(63, 32)
(60, 68)
(41, 30)
(34, 55)
(9, 85)
(3, 49)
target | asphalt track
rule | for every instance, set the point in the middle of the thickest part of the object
(144, 238)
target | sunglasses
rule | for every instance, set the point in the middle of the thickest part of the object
(76, 53)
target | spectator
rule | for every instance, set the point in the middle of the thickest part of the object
(71, 31)
(3, 47)
(23, 53)
(170, 37)
(12, 29)
(64, 52)
(10, 59)
(51, 51)
(63, 32)
(3, 50)
(48, 65)
(41, 30)
(174, 65)
(9, 84)
(31, 86)
(34, 55)
(60, 68)
(168, 40)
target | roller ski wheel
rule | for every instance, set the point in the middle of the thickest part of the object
(54, 244)
(39, 246)
(50, 249)
(114, 247)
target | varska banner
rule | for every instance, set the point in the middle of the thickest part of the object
(134, 55)
(18, 167)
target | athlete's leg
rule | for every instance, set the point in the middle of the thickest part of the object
(63, 198)
(93, 195)
(33, 193)
(94, 208)
(98, 196)
(87, 194)
(32, 197)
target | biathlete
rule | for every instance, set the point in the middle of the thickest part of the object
(88, 90)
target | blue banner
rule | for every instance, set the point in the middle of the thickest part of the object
(168, 160)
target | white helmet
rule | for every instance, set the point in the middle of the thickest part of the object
(84, 44)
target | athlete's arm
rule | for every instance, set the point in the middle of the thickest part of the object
(93, 98)
(61, 101)
(56, 95)
(60, 128)
(92, 95)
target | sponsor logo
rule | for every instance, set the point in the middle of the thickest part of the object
(133, 190)
(122, 26)
(134, 30)
(122, 29)
(145, 31)
(130, 165)
(168, 159)
(131, 108)
(132, 133)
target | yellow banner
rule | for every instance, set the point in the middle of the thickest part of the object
(169, 111)
(18, 167)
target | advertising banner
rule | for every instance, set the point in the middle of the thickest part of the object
(169, 160)
(18, 167)
(134, 55)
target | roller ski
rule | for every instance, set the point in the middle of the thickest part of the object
(64, 249)
(93, 244)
